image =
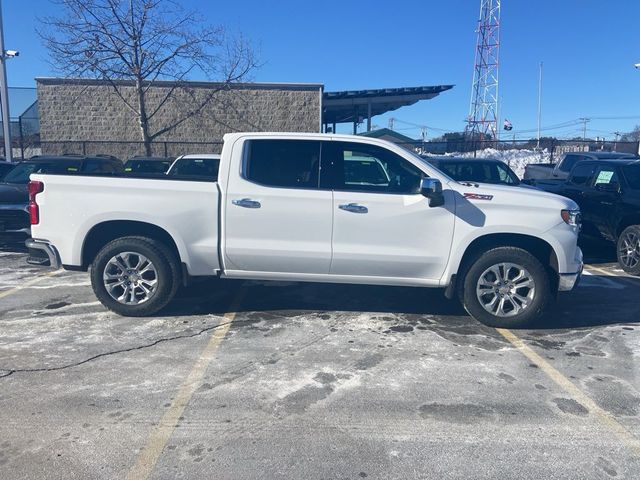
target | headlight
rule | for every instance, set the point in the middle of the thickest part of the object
(572, 217)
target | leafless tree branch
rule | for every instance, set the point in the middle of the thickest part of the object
(144, 42)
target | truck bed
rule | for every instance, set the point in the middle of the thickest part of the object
(187, 209)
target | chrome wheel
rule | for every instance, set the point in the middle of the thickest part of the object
(505, 289)
(130, 278)
(629, 249)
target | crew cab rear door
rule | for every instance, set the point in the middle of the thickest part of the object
(277, 218)
(383, 226)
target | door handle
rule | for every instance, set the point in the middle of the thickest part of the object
(353, 207)
(246, 203)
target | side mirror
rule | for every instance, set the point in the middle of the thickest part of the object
(432, 189)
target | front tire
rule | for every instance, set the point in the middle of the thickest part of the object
(628, 250)
(506, 287)
(135, 276)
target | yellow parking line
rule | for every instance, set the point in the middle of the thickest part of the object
(162, 433)
(627, 438)
(28, 283)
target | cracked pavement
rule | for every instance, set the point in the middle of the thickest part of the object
(314, 381)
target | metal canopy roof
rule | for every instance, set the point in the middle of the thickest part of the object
(355, 105)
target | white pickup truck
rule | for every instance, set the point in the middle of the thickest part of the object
(310, 207)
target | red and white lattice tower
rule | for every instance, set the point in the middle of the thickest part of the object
(483, 110)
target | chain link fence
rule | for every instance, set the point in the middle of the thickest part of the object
(550, 149)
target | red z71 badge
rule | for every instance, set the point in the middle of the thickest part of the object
(477, 196)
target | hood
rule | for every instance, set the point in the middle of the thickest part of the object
(520, 197)
(11, 193)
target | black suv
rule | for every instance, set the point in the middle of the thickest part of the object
(14, 197)
(608, 192)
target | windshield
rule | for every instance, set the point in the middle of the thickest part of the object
(480, 172)
(147, 166)
(431, 165)
(632, 174)
(200, 167)
(20, 174)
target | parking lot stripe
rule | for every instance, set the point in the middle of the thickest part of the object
(28, 283)
(159, 437)
(626, 437)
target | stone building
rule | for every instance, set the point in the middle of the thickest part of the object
(89, 116)
(92, 116)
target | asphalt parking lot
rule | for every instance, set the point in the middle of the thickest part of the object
(290, 380)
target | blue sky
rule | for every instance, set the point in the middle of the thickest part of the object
(588, 48)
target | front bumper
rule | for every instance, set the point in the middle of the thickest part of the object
(42, 254)
(569, 281)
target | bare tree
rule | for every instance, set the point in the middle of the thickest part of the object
(138, 43)
(632, 136)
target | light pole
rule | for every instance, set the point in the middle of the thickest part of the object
(4, 92)
(539, 103)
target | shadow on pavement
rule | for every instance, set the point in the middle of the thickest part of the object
(598, 301)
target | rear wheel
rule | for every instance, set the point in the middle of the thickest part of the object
(506, 287)
(135, 276)
(629, 250)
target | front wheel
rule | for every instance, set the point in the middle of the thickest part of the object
(629, 250)
(506, 287)
(135, 276)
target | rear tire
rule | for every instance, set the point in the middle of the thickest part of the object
(135, 276)
(506, 287)
(628, 250)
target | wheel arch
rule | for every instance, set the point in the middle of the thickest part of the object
(627, 221)
(538, 247)
(102, 233)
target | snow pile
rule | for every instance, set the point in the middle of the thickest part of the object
(515, 158)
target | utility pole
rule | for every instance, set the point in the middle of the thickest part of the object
(539, 103)
(615, 145)
(584, 121)
(4, 95)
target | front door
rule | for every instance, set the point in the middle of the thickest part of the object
(277, 219)
(602, 198)
(383, 226)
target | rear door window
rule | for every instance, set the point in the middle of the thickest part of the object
(96, 165)
(283, 163)
(632, 175)
(582, 174)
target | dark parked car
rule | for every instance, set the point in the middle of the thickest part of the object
(608, 192)
(549, 173)
(479, 170)
(5, 167)
(148, 165)
(204, 165)
(14, 197)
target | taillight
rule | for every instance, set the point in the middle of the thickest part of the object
(35, 187)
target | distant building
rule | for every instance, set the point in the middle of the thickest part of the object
(88, 116)
(391, 136)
